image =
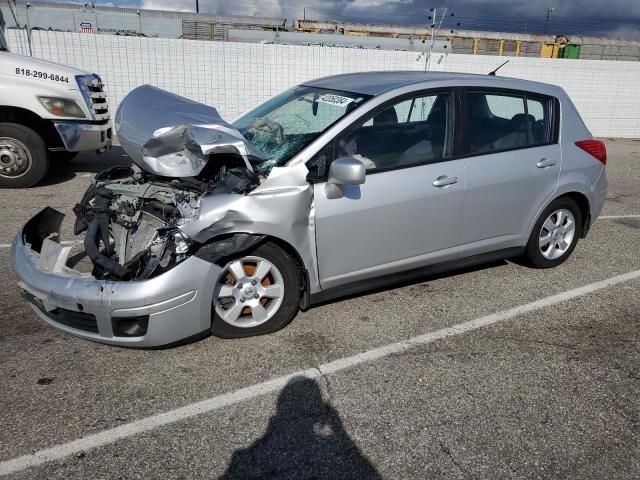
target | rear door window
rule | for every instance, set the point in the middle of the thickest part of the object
(503, 121)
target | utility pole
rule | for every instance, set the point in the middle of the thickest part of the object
(546, 23)
(434, 31)
(29, 30)
(428, 55)
(197, 7)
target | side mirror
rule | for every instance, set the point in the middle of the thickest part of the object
(344, 172)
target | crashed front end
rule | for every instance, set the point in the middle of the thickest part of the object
(152, 268)
(137, 313)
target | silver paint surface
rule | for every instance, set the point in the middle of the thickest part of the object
(178, 302)
(172, 136)
(282, 206)
(395, 221)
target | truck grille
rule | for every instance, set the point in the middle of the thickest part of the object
(93, 91)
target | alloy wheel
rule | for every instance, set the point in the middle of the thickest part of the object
(249, 292)
(556, 234)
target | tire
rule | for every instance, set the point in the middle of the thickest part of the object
(261, 310)
(552, 239)
(24, 159)
(63, 156)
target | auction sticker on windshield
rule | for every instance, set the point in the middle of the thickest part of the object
(337, 100)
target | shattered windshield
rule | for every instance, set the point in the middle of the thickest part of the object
(284, 125)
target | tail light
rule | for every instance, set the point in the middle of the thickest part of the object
(595, 148)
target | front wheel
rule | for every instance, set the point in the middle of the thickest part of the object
(24, 159)
(555, 234)
(256, 293)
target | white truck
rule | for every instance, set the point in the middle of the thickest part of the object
(48, 113)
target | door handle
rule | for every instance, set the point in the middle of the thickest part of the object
(443, 181)
(545, 162)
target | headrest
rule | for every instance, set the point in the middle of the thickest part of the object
(519, 121)
(386, 117)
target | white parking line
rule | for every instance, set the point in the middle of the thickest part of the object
(603, 217)
(112, 435)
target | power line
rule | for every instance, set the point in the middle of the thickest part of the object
(546, 22)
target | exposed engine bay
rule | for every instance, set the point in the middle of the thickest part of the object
(132, 218)
(183, 151)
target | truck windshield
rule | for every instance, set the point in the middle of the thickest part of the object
(284, 125)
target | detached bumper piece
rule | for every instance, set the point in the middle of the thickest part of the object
(163, 310)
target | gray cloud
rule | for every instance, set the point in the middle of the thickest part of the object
(586, 17)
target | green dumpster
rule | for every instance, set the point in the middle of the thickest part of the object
(571, 50)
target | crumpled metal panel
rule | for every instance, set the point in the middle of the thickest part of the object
(172, 136)
(282, 206)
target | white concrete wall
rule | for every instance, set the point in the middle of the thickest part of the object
(234, 76)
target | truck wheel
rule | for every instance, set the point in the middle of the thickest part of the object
(24, 159)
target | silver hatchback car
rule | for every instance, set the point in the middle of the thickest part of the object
(333, 187)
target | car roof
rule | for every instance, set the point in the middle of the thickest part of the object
(375, 83)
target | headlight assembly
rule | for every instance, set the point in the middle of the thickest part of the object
(62, 107)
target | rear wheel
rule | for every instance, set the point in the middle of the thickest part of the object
(555, 234)
(256, 293)
(24, 159)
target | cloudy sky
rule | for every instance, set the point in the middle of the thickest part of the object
(587, 17)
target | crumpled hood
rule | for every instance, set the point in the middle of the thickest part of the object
(172, 136)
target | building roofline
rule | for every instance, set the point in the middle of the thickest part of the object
(203, 17)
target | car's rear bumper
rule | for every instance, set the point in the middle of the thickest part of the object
(163, 310)
(598, 197)
(79, 137)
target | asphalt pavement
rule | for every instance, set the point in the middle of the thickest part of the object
(547, 391)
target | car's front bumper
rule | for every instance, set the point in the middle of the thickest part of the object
(79, 137)
(168, 308)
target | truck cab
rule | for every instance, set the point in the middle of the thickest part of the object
(48, 113)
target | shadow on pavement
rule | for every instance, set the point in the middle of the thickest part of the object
(305, 439)
(86, 162)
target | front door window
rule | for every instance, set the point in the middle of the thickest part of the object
(414, 131)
